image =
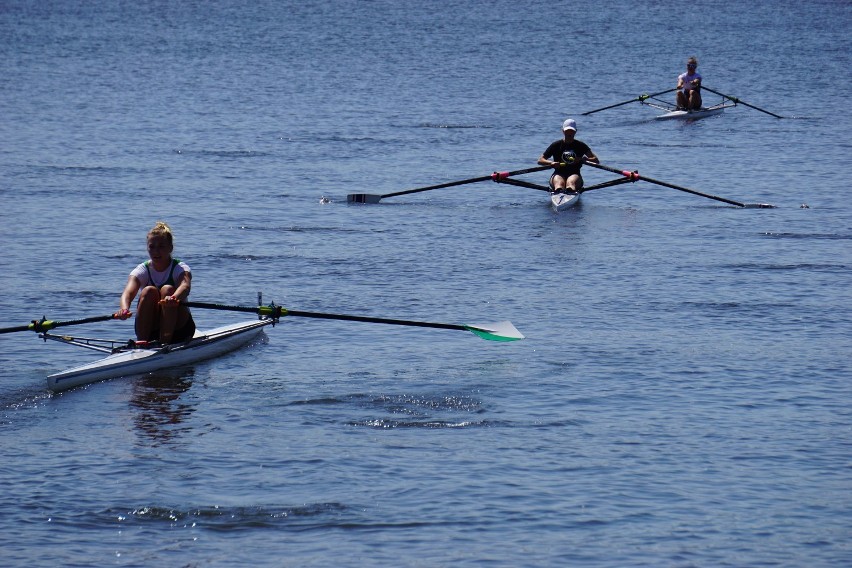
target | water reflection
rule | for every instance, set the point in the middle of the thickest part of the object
(161, 412)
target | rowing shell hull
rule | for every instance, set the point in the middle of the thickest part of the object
(205, 345)
(690, 114)
(563, 201)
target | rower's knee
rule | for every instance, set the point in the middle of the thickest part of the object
(149, 294)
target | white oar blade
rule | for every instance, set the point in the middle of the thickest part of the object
(363, 198)
(500, 331)
(759, 206)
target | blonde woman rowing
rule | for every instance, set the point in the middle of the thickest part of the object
(162, 283)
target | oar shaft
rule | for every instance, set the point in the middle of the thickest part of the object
(224, 307)
(494, 176)
(521, 183)
(633, 176)
(693, 192)
(367, 319)
(607, 184)
(45, 324)
(740, 102)
(502, 331)
(640, 99)
(273, 310)
(438, 186)
(16, 328)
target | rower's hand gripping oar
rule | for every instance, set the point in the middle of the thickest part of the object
(501, 331)
(371, 198)
(44, 324)
(740, 102)
(639, 99)
(634, 176)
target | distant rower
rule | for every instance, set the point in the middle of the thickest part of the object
(689, 87)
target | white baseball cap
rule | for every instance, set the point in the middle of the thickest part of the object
(569, 124)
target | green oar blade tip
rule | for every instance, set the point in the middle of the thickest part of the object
(501, 331)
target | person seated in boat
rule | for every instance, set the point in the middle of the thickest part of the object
(162, 283)
(689, 87)
(567, 156)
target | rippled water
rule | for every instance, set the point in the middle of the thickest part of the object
(682, 397)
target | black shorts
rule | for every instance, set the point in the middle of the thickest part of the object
(180, 335)
(186, 332)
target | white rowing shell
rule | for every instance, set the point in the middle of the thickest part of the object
(563, 201)
(204, 345)
(690, 114)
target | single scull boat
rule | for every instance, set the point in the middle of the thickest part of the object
(674, 113)
(135, 359)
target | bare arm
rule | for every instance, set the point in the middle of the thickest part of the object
(130, 290)
(184, 286)
(543, 161)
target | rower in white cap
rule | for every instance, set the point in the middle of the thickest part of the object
(566, 156)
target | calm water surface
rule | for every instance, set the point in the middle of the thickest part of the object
(683, 394)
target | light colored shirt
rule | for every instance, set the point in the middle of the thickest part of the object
(148, 276)
(688, 79)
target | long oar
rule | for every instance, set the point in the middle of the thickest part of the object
(45, 324)
(638, 99)
(372, 198)
(501, 331)
(634, 176)
(521, 183)
(610, 183)
(740, 102)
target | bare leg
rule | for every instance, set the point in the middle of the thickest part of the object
(681, 100)
(557, 183)
(172, 317)
(574, 183)
(147, 313)
(695, 99)
(168, 316)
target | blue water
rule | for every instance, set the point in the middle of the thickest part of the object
(683, 395)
